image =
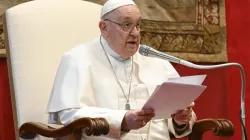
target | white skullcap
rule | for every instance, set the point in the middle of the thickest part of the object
(111, 5)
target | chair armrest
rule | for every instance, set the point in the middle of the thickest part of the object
(219, 127)
(92, 126)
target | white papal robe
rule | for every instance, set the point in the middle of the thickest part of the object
(85, 86)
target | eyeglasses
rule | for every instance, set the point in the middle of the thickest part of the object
(126, 26)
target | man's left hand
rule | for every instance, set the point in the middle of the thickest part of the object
(183, 116)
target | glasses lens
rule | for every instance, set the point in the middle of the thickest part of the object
(127, 26)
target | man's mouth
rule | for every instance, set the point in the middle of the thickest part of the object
(132, 42)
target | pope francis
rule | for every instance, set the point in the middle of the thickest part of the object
(108, 78)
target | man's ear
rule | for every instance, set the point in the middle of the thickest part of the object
(103, 27)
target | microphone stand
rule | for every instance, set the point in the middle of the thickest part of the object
(243, 87)
(148, 51)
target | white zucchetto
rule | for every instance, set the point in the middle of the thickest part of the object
(111, 5)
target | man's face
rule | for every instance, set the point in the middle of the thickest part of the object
(120, 37)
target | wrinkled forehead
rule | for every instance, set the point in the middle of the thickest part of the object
(125, 13)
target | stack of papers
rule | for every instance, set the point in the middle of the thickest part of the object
(175, 94)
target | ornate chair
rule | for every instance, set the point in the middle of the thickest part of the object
(37, 33)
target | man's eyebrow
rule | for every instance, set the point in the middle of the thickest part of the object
(127, 19)
(130, 19)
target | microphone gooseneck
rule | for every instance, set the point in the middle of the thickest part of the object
(150, 52)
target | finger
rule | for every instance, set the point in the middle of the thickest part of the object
(183, 118)
(182, 114)
(181, 111)
(151, 116)
(178, 119)
(191, 105)
(148, 118)
(144, 119)
(140, 122)
(178, 111)
(145, 112)
(188, 108)
(180, 122)
(139, 118)
(143, 123)
(187, 111)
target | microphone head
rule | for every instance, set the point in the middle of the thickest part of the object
(150, 52)
(143, 50)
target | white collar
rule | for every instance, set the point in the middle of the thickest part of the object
(111, 52)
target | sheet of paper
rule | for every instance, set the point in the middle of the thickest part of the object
(174, 95)
(194, 80)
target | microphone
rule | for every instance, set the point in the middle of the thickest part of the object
(150, 52)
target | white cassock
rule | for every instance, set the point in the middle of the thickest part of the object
(85, 86)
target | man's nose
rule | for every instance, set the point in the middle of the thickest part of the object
(134, 31)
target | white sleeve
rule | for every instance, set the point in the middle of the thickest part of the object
(73, 96)
(188, 131)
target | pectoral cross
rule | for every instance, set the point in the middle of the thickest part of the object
(127, 106)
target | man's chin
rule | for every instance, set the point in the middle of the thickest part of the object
(131, 49)
(131, 53)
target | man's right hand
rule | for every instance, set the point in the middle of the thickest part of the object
(135, 119)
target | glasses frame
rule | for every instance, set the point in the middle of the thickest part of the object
(122, 26)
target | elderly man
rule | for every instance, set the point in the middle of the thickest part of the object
(108, 78)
